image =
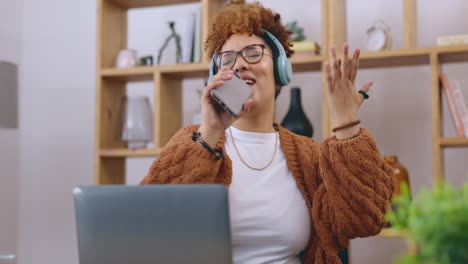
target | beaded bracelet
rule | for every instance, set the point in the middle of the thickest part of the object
(347, 125)
(217, 152)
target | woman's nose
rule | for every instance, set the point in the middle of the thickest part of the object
(240, 65)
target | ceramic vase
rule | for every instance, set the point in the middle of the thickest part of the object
(296, 120)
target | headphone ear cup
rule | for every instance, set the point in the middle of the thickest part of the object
(284, 70)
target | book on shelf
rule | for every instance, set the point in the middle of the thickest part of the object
(305, 46)
(456, 105)
(196, 53)
(452, 40)
(460, 105)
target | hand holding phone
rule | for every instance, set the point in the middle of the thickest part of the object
(232, 95)
(215, 119)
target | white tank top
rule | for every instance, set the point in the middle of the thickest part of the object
(270, 221)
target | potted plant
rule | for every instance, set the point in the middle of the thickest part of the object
(437, 221)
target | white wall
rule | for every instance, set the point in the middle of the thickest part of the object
(10, 50)
(57, 121)
(57, 108)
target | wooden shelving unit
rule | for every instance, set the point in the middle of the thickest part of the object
(110, 153)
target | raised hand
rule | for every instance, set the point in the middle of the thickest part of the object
(343, 98)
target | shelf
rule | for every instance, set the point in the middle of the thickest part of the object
(122, 153)
(306, 63)
(456, 53)
(187, 70)
(454, 142)
(141, 73)
(394, 58)
(413, 56)
(148, 3)
(193, 70)
(388, 232)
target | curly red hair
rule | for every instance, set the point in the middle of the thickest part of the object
(246, 18)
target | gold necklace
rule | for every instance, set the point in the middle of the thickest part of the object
(245, 163)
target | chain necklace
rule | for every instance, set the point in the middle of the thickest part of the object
(238, 153)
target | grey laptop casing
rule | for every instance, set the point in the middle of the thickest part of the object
(119, 224)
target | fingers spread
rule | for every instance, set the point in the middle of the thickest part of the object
(336, 73)
(345, 62)
(329, 77)
(354, 65)
(366, 87)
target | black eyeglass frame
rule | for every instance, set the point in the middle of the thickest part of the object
(263, 46)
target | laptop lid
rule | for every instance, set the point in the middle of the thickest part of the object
(153, 224)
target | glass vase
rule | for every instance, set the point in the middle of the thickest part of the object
(137, 128)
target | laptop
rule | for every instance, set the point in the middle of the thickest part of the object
(151, 224)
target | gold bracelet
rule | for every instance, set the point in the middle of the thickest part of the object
(347, 125)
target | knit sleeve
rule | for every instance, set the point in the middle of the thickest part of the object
(355, 192)
(184, 161)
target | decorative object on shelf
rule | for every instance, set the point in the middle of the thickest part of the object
(8, 95)
(137, 129)
(400, 172)
(177, 43)
(196, 118)
(297, 32)
(296, 120)
(401, 175)
(436, 220)
(456, 103)
(378, 37)
(146, 60)
(300, 46)
(127, 58)
(452, 40)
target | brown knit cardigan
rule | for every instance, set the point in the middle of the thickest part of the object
(345, 183)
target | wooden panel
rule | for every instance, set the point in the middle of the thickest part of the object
(337, 33)
(128, 152)
(168, 107)
(148, 3)
(111, 33)
(208, 12)
(410, 31)
(437, 157)
(306, 63)
(110, 171)
(454, 142)
(108, 116)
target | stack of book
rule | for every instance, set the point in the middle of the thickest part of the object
(305, 48)
(456, 103)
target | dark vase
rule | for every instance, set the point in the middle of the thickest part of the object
(296, 120)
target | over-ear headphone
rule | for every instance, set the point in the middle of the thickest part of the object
(282, 65)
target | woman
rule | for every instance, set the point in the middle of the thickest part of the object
(288, 194)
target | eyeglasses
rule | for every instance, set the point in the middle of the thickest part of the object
(251, 54)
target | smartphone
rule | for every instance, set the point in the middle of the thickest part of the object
(232, 95)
